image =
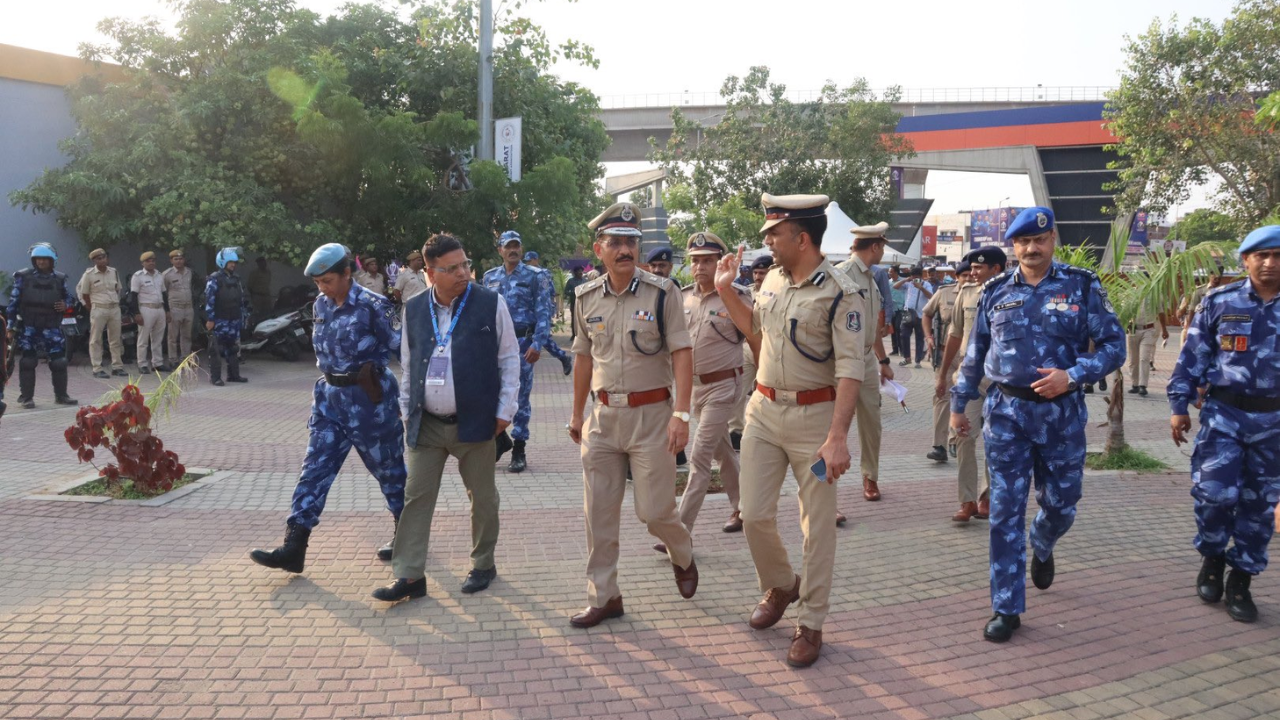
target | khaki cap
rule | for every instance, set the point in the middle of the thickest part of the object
(148, 255)
(413, 254)
(175, 254)
(96, 252)
(619, 219)
(870, 231)
(780, 208)
(706, 243)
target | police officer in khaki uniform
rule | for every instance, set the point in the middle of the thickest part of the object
(99, 290)
(632, 342)
(179, 305)
(411, 280)
(759, 268)
(807, 322)
(940, 306)
(869, 243)
(147, 302)
(1142, 347)
(984, 264)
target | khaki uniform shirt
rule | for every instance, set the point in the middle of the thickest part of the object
(410, 283)
(177, 285)
(619, 330)
(942, 303)
(1144, 317)
(375, 282)
(861, 275)
(103, 288)
(147, 286)
(804, 345)
(1191, 305)
(964, 311)
(717, 344)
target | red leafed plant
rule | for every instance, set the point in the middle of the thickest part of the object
(124, 428)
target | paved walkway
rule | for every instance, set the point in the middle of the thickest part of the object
(117, 610)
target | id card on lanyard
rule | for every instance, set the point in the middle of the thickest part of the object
(438, 365)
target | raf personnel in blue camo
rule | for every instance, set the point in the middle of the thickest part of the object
(227, 309)
(1232, 347)
(39, 297)
(355, 404)
(566, 361)
(527, 291)
(1031, 338)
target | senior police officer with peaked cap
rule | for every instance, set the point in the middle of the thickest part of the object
(527, 290)
(759, 268)
(1233, 346)
(1031, 337)
(355, 404)
(632, 344)
(99, 289)
(807, 323)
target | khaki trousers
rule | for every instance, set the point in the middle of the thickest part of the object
(971, 489)
(425, 463)
(105, 317)
(942, 408)
(180, 320)
(712, 405)
(151, 335)
(870, 428)
(779, 437)
(612, 438)
(738, 421)
(1142, 348)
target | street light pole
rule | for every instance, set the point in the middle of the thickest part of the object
(485, 110)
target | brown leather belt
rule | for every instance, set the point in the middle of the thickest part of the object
(1148, 326)
(798, 397)
(151, 306)
(635, 399)
(719, 375)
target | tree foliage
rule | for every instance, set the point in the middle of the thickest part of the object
(841, 145)
(1184, 113)
(263, 125)
(1205, 225)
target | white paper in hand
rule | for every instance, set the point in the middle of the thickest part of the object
(895, 390)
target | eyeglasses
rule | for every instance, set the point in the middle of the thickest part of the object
(464, 266)
(615, 242)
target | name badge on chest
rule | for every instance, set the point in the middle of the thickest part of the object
(437, 368)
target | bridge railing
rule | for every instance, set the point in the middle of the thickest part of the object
(1036, 94)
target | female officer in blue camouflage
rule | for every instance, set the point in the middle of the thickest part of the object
(1232, 347)
(226, 309)
(1031, 338)
(356, 403)
(39, 297)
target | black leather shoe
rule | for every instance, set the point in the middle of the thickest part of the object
(119, 372)
(218, 382)
(1142, 391)
(1239, 600)
(478, 580)
(401, 589)
(1134, 390)
(1209, 581)
(237, 379)
(101, 375)
(1000, 627)
(27, 403)
(518, 461)
(64, 400)
(144, 370)
(567, 363)
(1042, 571)
(1088, 389)
(1102, 384)
(503, 444)
(938, 454)
(384, 552)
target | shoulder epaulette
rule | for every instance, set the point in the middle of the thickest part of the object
(648, 277)
(846, 283)
(589, 285)
(1214, 291)
(997, 280)
(1079, 271)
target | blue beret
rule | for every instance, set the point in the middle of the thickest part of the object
(531, 255)
(1264, 238)
(989, 255)
(764, 262)
(1032, 221)
(324, 258)
(656, 254)
(509, 236)
(963, 267)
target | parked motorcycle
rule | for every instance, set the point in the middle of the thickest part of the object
(75, 330)
(284, 336)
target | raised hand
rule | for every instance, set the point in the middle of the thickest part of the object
(727, 269)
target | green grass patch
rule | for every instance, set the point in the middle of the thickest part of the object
(125, 490)
(1128, 458)
(682, 479)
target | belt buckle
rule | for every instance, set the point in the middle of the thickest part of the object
(785, 396)
(620, 399)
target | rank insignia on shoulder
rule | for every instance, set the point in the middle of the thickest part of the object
(853, 321)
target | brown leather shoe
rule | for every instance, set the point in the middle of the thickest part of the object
(593, 616)
(686, 579)
(967, 510)
(775, 602)
(659, 547)
(735, 522)
(806, 645)
(870, 491)
(984, 508)
(840, 519)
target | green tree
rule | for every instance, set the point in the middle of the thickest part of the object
(1184, 113)
(1205, 225)
(840, 144)
(263, 125)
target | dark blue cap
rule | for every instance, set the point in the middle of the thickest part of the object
(1264, 238)
(662, 253)
(531, 255)
(963, 267)
(989, 255)
(508, 237)
(1032, 221)
(764, 262)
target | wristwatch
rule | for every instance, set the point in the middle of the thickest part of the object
(682, 415)
(1072, 386)
(885, 361)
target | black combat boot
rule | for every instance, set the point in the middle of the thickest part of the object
(384, 552)
(27, 381)
(290, 556)
(1000, 627)
(1042, 571)
(566, 362)
(938, 454)
(58, 370)
(233, 371)
(501, 444)
(517, 458)
(215, 367)
(1239, 600)
(1209, 582)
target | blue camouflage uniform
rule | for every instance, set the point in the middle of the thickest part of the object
(527, 291)
(33, 339)
(227, 331)
(1019, 328)
(551, 347)
(360, 331)
(1232, 347)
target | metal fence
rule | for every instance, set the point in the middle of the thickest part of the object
(1036, 94)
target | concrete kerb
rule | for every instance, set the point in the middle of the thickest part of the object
(55, 493)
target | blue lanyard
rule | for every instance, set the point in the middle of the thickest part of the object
(443, 342)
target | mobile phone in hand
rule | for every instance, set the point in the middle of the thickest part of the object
(819, 469)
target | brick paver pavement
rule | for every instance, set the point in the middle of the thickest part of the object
(116, 610)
